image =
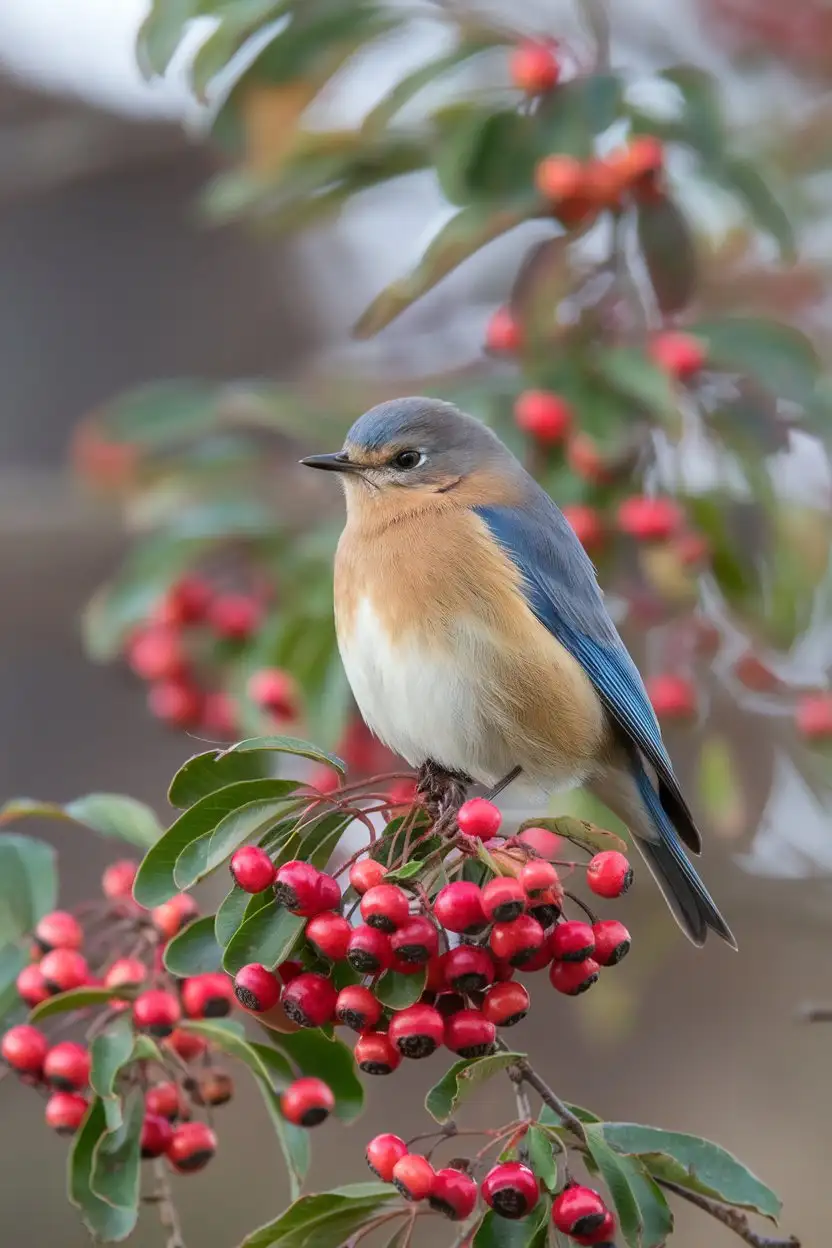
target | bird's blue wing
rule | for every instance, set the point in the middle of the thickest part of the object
(562, 591)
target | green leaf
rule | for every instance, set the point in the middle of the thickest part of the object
(81, 999)
(161, 33)
(571, 116)
(154, 881)
(529, 1232)
(466, 233)
(542, 1157)
(633, 375)
(318, 841)
(579, 832)
(107, 813)
(548, 1117)
(12, 961)
(325, 1221)
(109, 1051)
(194, 950)
(213, 848)
(28, 885)
(116, 1158)
(669, 253)
(205, 773)
(696, 1164)
(230, 915)
(331, 1060)
(397, 991)
(745, 180)
(615, 1175)
(777, 356)
(461, 1079)
(105, 1221)
(269, 936)
(408, 87)
(702, 124)
(287, 745)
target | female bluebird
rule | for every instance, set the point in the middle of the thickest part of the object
(475, 637)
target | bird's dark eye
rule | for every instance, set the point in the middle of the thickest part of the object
(407, 459)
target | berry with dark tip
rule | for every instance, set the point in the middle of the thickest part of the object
(546, 913)
(156, 1136)
(458, 907)
(383, 1152)
(252, 869)
(503, 899)
(506, 1004)
(65, 1112)
(368, 951)
(469, 1033)
(24, 1048)
(544, 416)
(192, 1146)
(125, 972)
(275, 691)
(415, 941)
(329, 935)
(64, 969)
(357, 1007)
(538, 960)
(453, 1193)
(307, 1102)
(468, 968)
(479, 818)
(366, 874)
(256, 987)
(310, 1000)
(517, 942)
(234, 616)
(165, 1100)
(59, 930)
(572, 942)
(214, 1087)
(573, 978)
(612, 942)
(447, 1003)
(538, 878)
(578, 1211)
(31, 986)
(375, 1054)
(510, 1189)
(156, 1012)
(680, 355)
(386, 906)
(171, 916)
(185, 1044)
(417, 1031)
(67, 1066)
(208, 996)
(176, 702)
(609, 874)
(413, 1177)
(298, 888)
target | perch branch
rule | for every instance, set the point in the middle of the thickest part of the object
(168, 1215)
(734, 1219)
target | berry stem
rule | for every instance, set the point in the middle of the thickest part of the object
(168, 1215)
(593, 918)
(734, 1219)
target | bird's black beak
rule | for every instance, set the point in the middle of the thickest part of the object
(336, 462)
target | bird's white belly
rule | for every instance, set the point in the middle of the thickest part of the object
(425, 702)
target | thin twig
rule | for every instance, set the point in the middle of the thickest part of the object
(524, 1109)
(734, 1219)
(569, 1120)
(168, 1215)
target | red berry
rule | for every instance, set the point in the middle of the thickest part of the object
(453, 1193)
(252, 869)
(357, 1007)
(469, 1033)
(215, 1087)
(156, 1012)
(612, 942)
(447, 1003)
(310, 1000)
(417, 1031)
(573, 978)
(545, 843)
(307, 1102)
(65, 1112)
(578, 1211)
(413, 1176)
(256, 987)
(559, 178)
(234, 617)
(186, 602)
(166, 1101)
(503, 334)
(534, 67)
(813, 716)
(31, 986)
(585, 459)
(479, 818)
(208, 996)
(366, 874)
(275, 691)
(609, 874)
(544, 416)
(329, 935)
(586, 524)
(510, 1189)
(649, 519)
(117, 880)
(185, 1044)
(517, 942)
(59, 930)
(219, 714)
(673, 697)
(64, 969)
(680, 355)
(504, 1005)
(158, 654)
(572, 942)
(458, 907)
(289, 970)
(386, 907)
(538, 877)
(468, 968)
(402, 792)
(645, 154)
(176, 703)
(415, 941)
(173, 915)
(538, 960)
(368, 950)
(24, 1048)
(304, 889)
(602, 1238)
(375, 1054)
(67, 1066)
(547, 911)
(156, 1136)
(192, 1147)
(503, 899)
(383, 1152)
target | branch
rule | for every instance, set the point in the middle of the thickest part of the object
(168, 1215)
(734, 1219)
(530, 1076)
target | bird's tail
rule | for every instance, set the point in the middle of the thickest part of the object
(690, 902)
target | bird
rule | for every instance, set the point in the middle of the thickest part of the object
(476, 640)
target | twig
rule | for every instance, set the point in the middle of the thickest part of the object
(524, 1109)
(168, 1215)
(734, 1219)
(569, 1120)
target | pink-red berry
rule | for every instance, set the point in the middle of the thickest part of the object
(612, 942)
(357, 1007)
(24, 1048)
(329, 935)
(366, 874)
(544, 416)
(506, 1004)
(125, 972)
(208, 996)
(503, 899)
(252, 869)
(458, 907)
(545, 843)
(510, 1189)
(609, 874)
(517, 942)
(256, 987)
(117, 880)
(673, 697)
(503, 334)
(386, 906)
(413, 1176)
(31, 986)
(468, 968)
(275, 691)
(307, 1102)
(67, 1066)
(65, 1112)
(156, 1012)
(375, 1053)
(649, 519)
(186, 602)
(171, 916)
(813, 716)
(310, 1000)
(176, 703)
(234, 616)
(586, 524)
(479, 818)
(469, 1033)
(165, 1100)
(417, 1031)
(415, 941)
(572, 942)
(573, 978)
(156, 1136)
(534, 67)
(64, 969)
(157, 654)
(680, 355)
(453, 1193)
(383, 1152)
(185, 1044)
(578, 1211)
(59, 930)
(538, 877)
(192, 1146)
(368, 950)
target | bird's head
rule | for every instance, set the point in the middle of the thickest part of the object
(419, 445)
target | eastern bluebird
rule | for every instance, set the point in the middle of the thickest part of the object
(475, 637)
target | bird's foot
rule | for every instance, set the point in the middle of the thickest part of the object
(443, 791)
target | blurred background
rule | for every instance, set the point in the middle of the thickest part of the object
(152, 255)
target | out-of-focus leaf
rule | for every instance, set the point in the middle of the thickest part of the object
(327, 1220)
(408, 87)
(161, 33)
(579, 832)
(194, 950)
(81, 999)
(733, 532)
(461, 1079)
(635, 377)
(529, 1232)
(777, 356)
(28, 881)
(745, 180)
(702, 124)
(316, 1055)
(107, 1222)
(110, 814)
(116, 1157)
(12, 961)
(205, 773)
(571, 116)
(238, 23)
(669, 253)
(269, 936)
(109, 1051)
(471, 229)
(397, 992)
(720, 793)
